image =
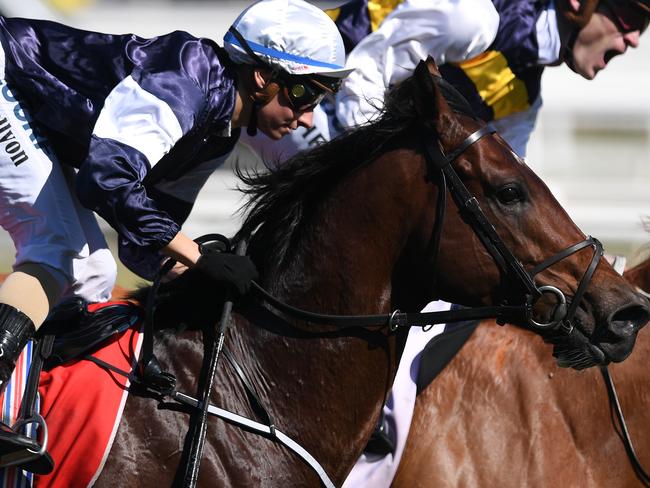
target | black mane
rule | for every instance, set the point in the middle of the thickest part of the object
(281, 202)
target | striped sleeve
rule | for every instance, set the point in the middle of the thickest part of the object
(134, 130)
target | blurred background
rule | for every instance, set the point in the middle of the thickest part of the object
(591, 145)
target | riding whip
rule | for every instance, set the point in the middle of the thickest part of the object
(198, 433)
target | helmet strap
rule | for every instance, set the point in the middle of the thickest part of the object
(251, 128)
(259, 99)
(567, 50)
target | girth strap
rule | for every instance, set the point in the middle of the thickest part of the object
(253, 397)
(267, 430)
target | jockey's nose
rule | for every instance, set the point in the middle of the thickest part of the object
(632, 38)
(306, 119)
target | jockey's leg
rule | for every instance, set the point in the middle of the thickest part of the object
(39, 211)
(94, 272)
(33, 289)
(26, 296)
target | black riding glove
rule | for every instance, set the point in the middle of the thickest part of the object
(230, 269)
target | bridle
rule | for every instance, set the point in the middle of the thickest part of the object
(511, 268)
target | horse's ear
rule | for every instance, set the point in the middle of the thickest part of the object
(432, 66)
(430, 102)
(425, 92)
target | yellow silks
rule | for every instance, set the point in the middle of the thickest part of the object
(69, 5)
(377, 11)
(496, 84)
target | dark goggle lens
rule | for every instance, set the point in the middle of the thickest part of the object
(627, 17)
(302, 95)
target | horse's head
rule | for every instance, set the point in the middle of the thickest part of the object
(356, 226)
(601, 326)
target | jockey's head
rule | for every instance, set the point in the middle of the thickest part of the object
(291, 55)
(594, 31)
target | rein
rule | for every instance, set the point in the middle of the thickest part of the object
(397, 318)
(503, 257)
(163, 384)
(621, 428)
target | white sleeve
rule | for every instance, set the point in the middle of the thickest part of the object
(450, 31)
(517, 127)
(139, 119)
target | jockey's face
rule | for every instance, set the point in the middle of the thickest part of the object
(604, 37)
(278, 117)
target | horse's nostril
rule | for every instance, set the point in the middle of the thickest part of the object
(629, 319)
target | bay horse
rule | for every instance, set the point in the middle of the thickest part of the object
(639, 275)
(502, 413)
(347, 229)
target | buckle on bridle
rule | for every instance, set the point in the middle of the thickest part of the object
(394, 320)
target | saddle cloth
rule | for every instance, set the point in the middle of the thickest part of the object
(82, 404)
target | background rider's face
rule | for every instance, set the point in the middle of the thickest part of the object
(278, 118)
(600, 40)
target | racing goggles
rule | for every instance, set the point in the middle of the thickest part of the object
(627, 16)
(303, 92)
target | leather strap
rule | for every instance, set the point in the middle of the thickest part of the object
(266, 430)
(615, 405)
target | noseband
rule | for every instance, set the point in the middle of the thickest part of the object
(511, 268)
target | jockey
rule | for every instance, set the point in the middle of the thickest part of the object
(495, 59)
(131, 128)
(494, 52)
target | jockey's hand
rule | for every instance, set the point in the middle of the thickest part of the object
(175, 272)
(231, 269)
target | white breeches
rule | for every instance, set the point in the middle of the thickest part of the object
(375, 471)
(39, 209)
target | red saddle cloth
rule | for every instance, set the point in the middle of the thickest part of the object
(82, 404)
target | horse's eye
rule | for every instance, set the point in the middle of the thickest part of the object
(509, 195)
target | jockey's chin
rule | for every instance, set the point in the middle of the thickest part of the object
(277, 118)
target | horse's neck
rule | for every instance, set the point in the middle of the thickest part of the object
(347, 260)
(328, 388)
(640, 275)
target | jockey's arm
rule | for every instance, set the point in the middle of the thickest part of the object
(448, 31)
(183, 250)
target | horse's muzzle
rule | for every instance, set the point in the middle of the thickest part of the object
(622, 328)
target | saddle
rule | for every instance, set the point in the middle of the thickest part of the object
(80, 328)
(73, 330)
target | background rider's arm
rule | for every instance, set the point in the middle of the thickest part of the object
(448, 31)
